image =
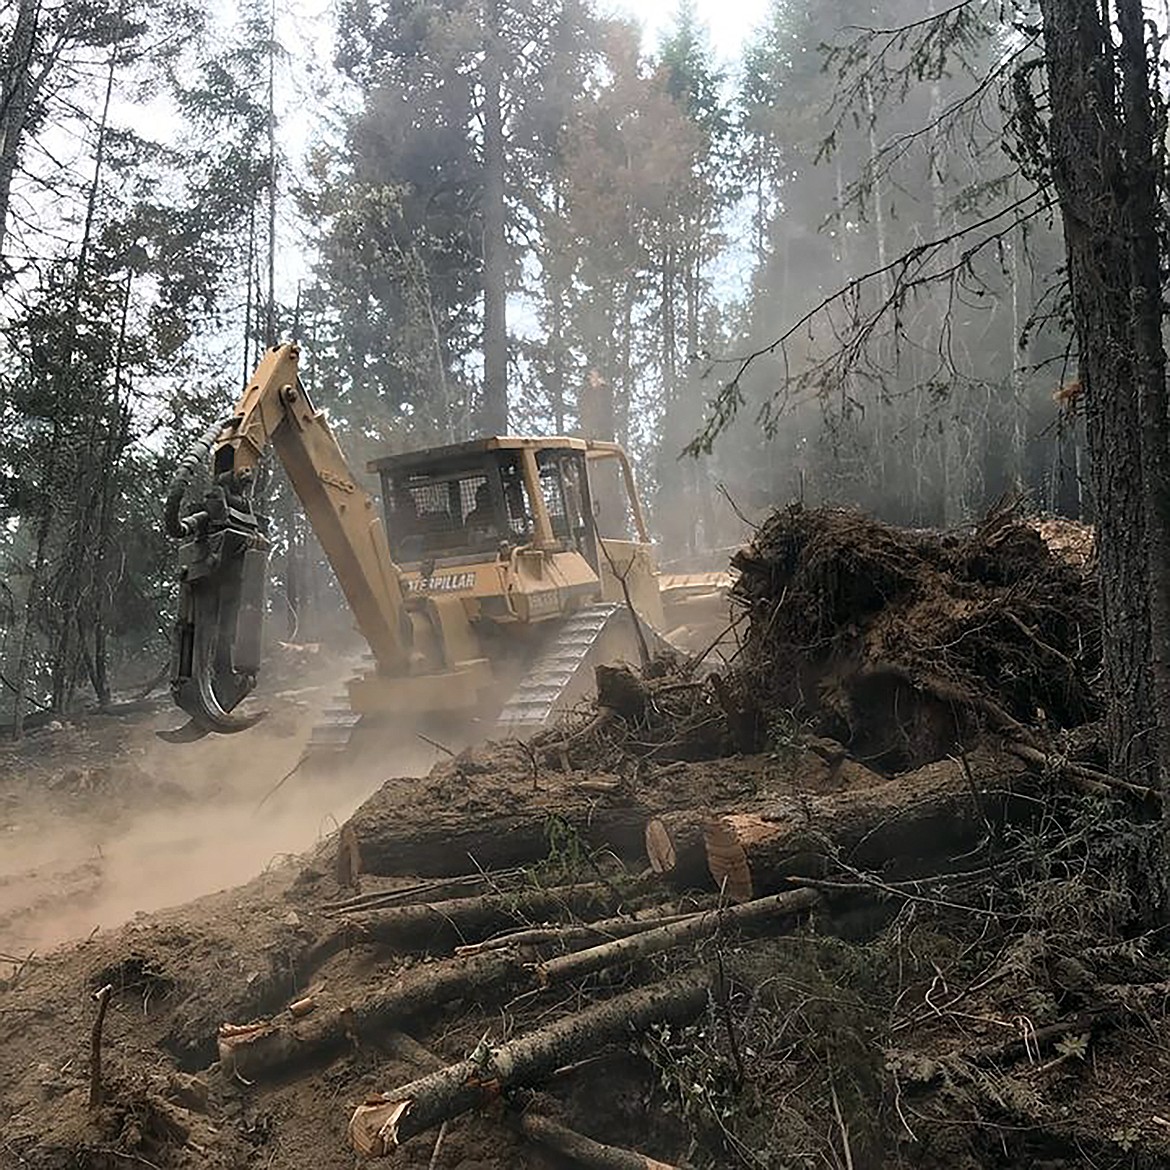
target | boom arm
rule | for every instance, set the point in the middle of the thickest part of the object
(217, 643)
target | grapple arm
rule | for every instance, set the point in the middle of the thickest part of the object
(224, 547)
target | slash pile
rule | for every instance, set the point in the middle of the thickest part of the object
(901, 644)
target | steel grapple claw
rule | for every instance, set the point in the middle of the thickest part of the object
(217, 638)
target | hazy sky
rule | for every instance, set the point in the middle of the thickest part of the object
(728, 21)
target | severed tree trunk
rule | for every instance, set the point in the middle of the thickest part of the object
(384, 1123)
(517, 833)
(901, 827)
(676, 848)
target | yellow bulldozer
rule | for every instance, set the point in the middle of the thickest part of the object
(498, 574)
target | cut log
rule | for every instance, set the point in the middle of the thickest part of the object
(581, 1149)
(496, 829)
(385, 1122)
(902, 827)
(534, 1125)
(749, 916)
(674, 844)
(267, 1047)
(263, 1049)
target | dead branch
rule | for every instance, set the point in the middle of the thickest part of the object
(95, 1046)
(459, 921)
(1085, 778)
(383, 1123)
(263, 1049)
(581, 1149)
(587, 933)
(747, 917)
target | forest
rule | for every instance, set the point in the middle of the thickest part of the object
(817, 818)
(532, 222)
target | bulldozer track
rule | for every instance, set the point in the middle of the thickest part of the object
(563, 671)
(560, 674)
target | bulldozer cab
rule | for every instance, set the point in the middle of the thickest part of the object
(471, 500)
(569, 502)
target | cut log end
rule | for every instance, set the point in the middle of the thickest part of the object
(727, 860)
(373, 1128)
(659, 847)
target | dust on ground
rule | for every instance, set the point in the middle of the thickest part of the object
(101, 820)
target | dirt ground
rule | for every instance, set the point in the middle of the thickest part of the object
(100, 820)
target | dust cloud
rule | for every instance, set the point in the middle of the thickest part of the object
(155, 825)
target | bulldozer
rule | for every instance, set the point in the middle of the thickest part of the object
(497, 574)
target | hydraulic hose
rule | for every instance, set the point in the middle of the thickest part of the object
(195, 458)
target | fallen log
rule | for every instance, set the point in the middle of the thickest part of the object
(746, 917)
(901, 827)
(457, 921)
(580, 934)
(581, 1149)
(497, 829)
(382, 1123)
(260, 1050)
(463, 885)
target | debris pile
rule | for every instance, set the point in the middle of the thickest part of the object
(902, 644)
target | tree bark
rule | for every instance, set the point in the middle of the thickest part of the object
(19, 91)
(384, 1123)
(1141, 217)
(1087, 171)
(901, 827)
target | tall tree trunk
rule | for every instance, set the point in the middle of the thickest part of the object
(878, 199)
(1016, 471)
(270, 316)
(1140, 212)
(495, 260)
(24, 640)
(117, 436)
(248, 367)
(74, 598)
(18, 88)
(622, 401)
(1087, 170)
